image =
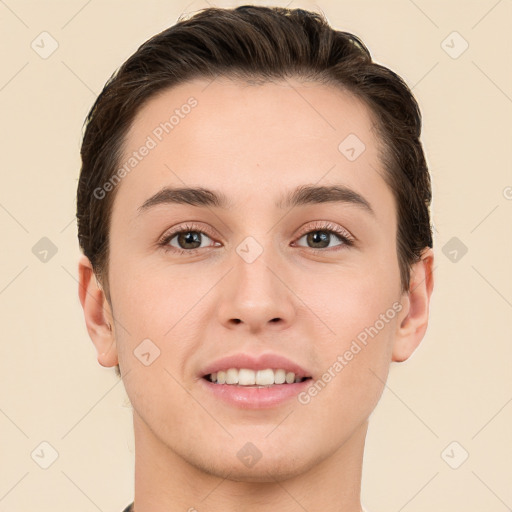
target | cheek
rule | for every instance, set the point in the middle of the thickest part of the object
(355, 365)
(147, 298)
(362, 314)
(162, 305)
(348, 302)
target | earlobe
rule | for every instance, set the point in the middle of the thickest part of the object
(411, 329)
(97, 313)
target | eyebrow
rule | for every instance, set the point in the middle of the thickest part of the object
(301, 196)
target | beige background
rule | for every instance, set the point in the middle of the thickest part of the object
(456, 387)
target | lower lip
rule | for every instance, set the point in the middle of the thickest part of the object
(246, 397)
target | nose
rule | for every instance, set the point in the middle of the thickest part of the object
(255, 296)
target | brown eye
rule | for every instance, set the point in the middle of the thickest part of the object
(185, 240)
(322, 237)
(319, 239)
(188, 239)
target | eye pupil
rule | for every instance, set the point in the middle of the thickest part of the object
(187, 237)
(314, 238)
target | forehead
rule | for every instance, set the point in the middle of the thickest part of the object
(246, 138)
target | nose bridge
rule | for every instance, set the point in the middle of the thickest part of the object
(255, 293)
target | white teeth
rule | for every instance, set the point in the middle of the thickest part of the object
(246, 377)
(279, 376)
(290, 377)
(265, 377)
(232, 376)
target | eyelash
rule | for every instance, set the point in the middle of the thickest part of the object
(328, 227)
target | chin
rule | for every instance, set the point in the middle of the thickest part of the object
(266, 469)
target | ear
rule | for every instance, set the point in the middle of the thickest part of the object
(98, 314)
(411, 329)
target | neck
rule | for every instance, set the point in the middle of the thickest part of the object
(166, 482)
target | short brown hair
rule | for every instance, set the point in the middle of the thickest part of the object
(256, 43)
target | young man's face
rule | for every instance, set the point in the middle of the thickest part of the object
(262, 279)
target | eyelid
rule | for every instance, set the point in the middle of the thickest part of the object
(187, 226)
(322, 225)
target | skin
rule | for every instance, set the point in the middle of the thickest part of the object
(253, 143)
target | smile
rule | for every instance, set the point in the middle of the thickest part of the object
(255, 378)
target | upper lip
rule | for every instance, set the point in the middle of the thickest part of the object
(255, 362)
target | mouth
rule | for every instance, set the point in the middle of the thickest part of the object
(246, 377)
(254, 381)
(254, 389)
